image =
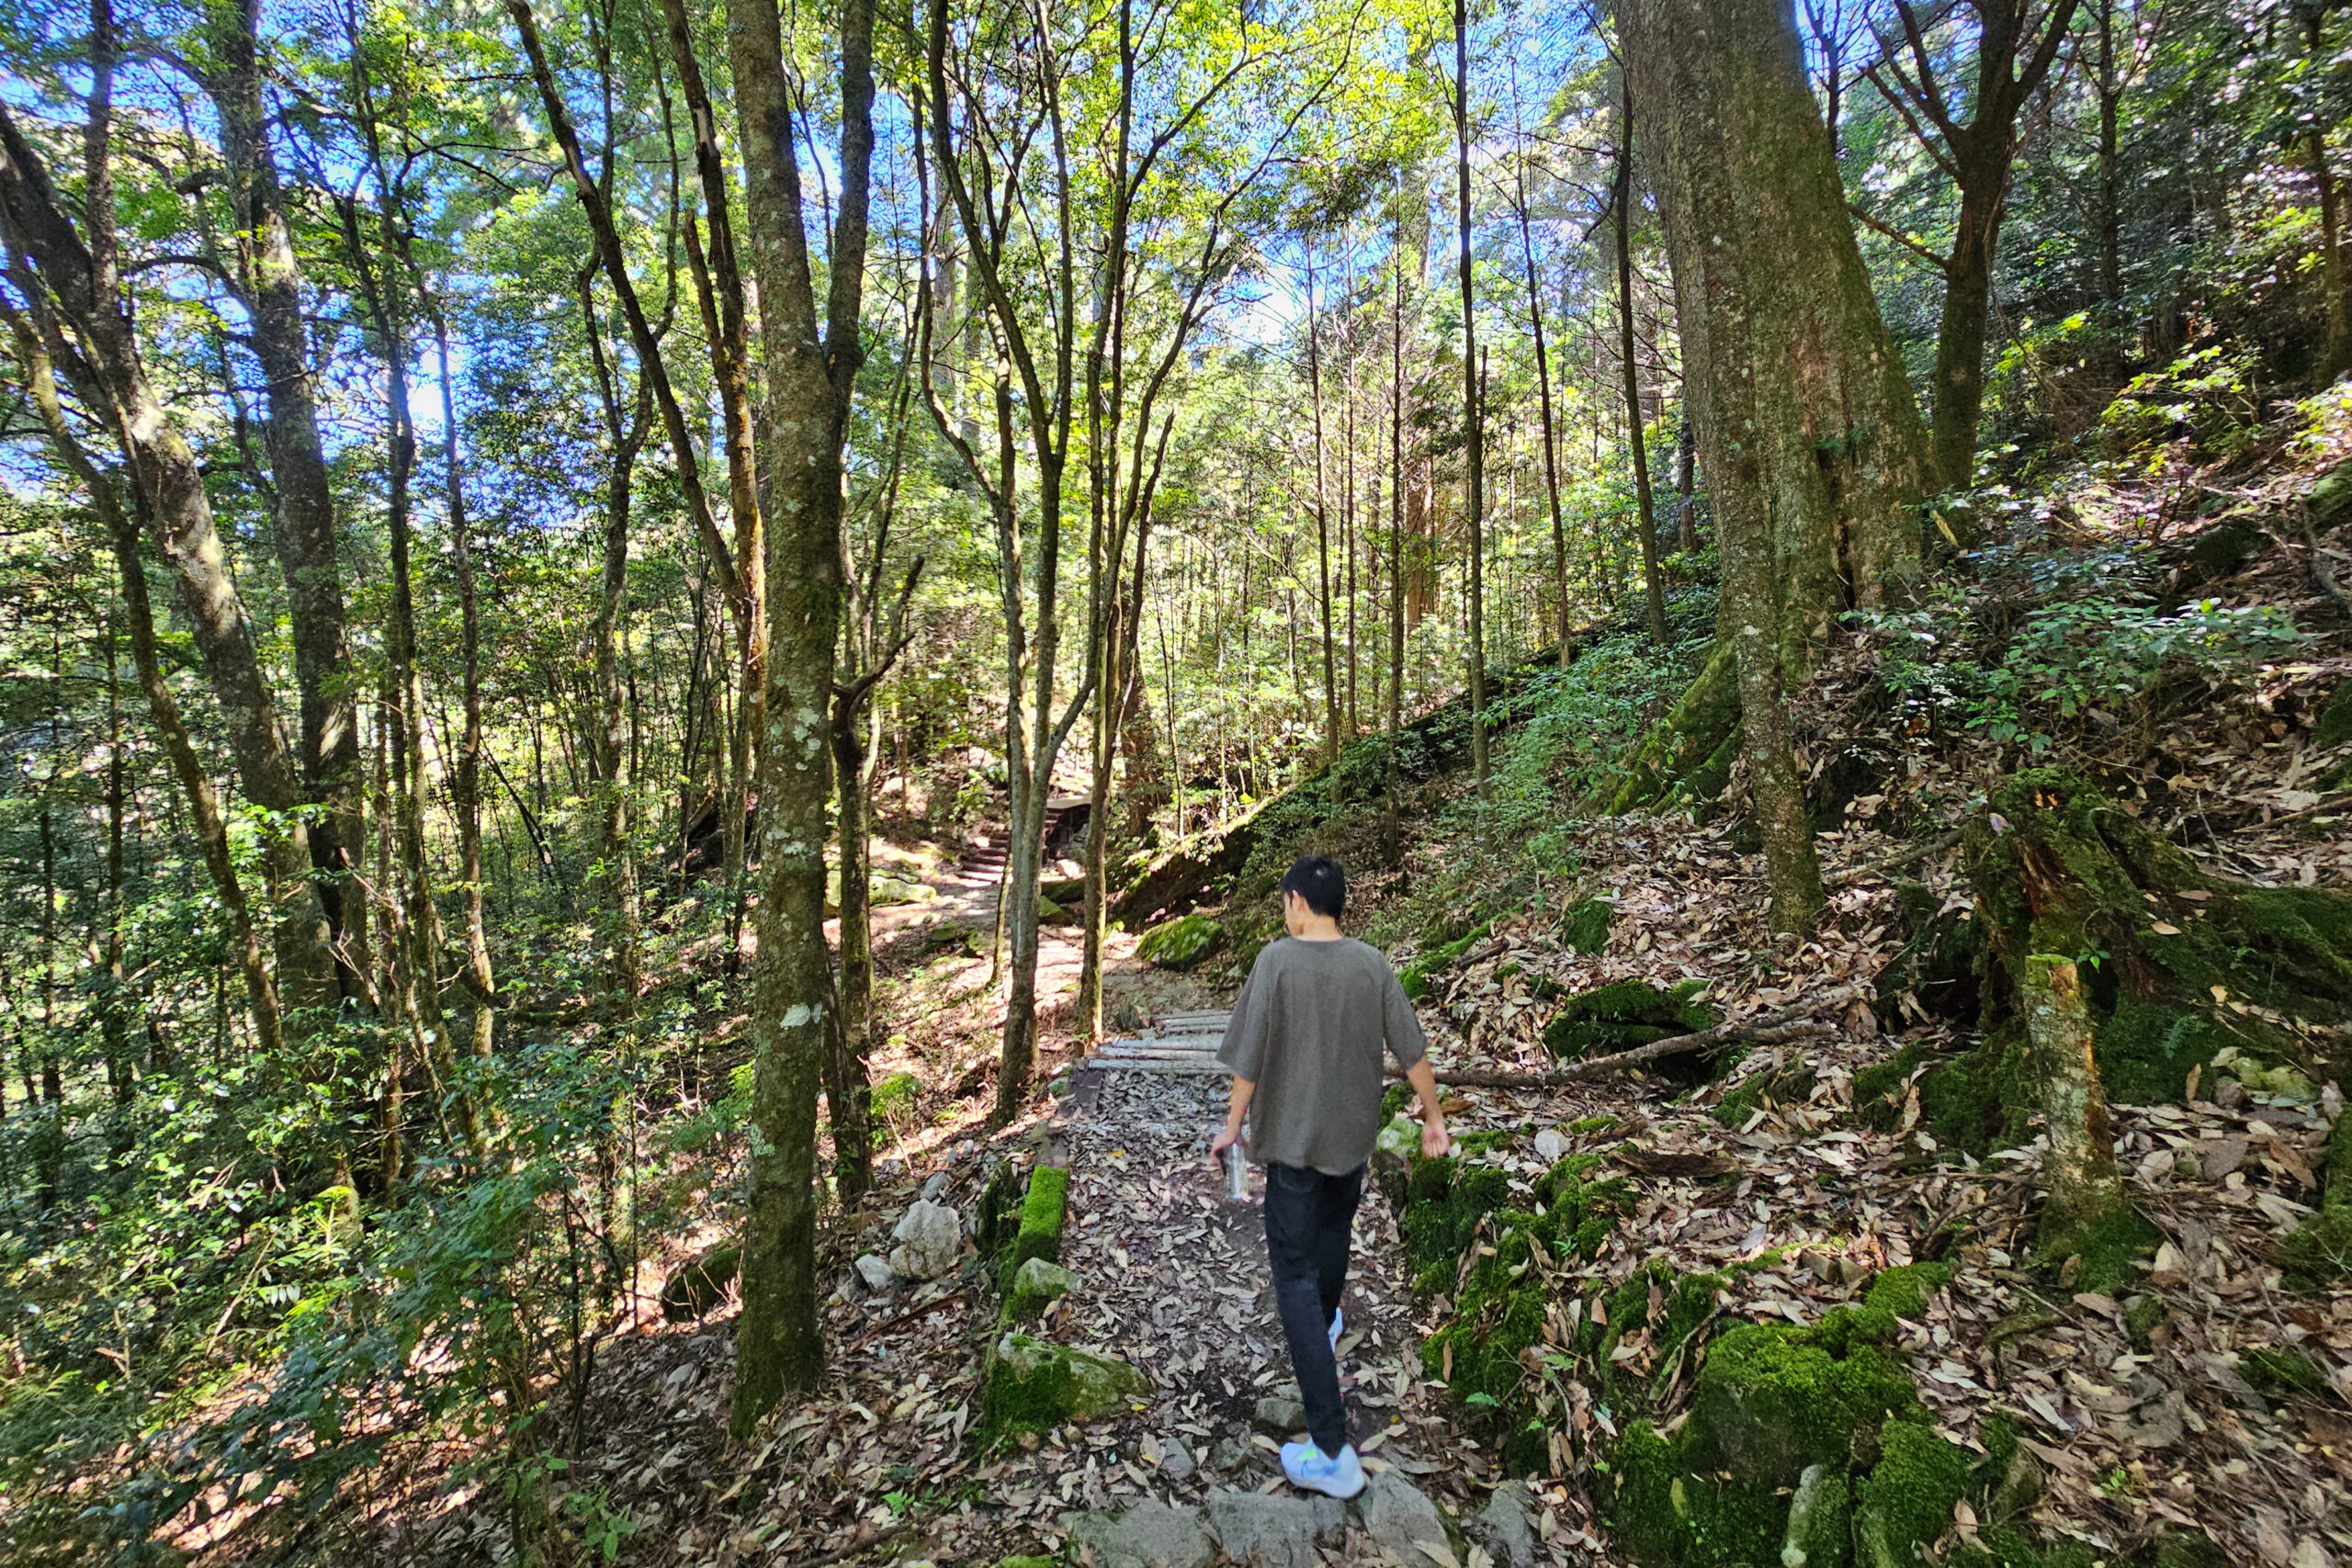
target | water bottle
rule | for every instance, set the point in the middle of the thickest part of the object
(1237, 1174)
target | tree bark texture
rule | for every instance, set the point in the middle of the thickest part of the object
(2080, 1181)
(811, 366)
(1757, 224)
(1473, 411)
(1645, 511)
(1815, 456)
(269, 282)
(139, 626)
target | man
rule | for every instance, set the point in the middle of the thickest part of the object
(1304, 1047)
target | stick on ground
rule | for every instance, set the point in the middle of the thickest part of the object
(1786, 1023)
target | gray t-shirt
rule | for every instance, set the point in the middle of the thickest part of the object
(1308, 1030)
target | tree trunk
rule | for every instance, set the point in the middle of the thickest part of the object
(811, 368)
(269, 284)
(1544, 413)
(1815, 456)
(616, 837)
(107, 368)
(1474, 413)
(1645, 513)
(847, 1095)
(1322, 523)
(2081, 1185)
(1960, 333)
(139, 625)
(477, 976)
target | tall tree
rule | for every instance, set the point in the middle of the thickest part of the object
(1474, 413)
(1638, 433)
(268, 281)
(810, 362)
(1814, 455)
(2014, 51)
(76, 270)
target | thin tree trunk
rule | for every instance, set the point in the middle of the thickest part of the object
(210, 825)
(1645, 514)
(1322, 522)
(269, 282)
(1473, 411)
(79, 281)
(1544, 413)
(811, 367)
(480, 980)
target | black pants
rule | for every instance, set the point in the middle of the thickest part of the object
(1308, 1218)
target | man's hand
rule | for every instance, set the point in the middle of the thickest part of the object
(1435, 1140)
(1226, 1136)
(1423, 1079)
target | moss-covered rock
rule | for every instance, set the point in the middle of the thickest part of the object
(700, 1285)
(1030, 1385)
(1584, 925)
(1677, 753)
(1182, 942)
(1036, 1285)
(997, 1215)
(1620, 1016)
(2322, 1248)
(1940, 961)
(1905, 1502)
(1770, 1403)
(1439, 1203)
(2184, 965)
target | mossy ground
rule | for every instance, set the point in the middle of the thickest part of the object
(1415, 977)
(1491, 1351)
(1628, 1013)
(1769, 1401)
(1182, 942)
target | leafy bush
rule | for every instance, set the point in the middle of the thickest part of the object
(2091, 644)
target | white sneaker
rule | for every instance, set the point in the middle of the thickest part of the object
(1338, 1326)
(1310, 1469)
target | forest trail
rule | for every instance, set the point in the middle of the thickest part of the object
(1786, 1196)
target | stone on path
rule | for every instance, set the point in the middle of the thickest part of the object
(1399, 1517)
(1228, 1454)
(878, 1275)
(1503, 1526)
(1259, 1530)
(931, 1241)
(1149, 1535)
(935, 1187)
(1282, 1413)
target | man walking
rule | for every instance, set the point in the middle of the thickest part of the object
(1304, 1047)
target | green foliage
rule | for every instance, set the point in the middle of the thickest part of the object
(2090, 641)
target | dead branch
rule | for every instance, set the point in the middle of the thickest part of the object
(1892, 863)
(1766, 1029)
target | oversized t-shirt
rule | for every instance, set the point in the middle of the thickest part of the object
(1309, 1029)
